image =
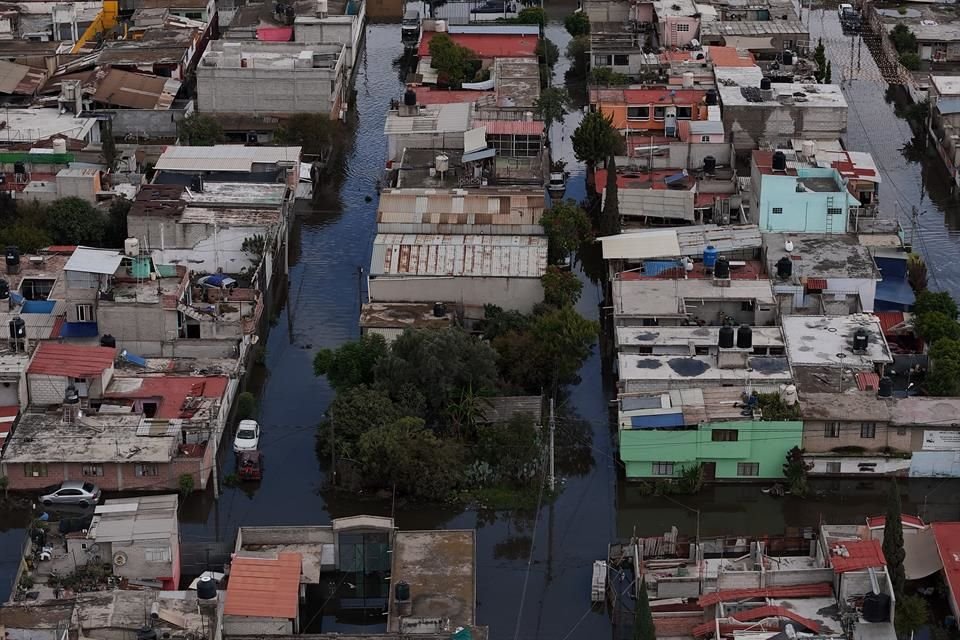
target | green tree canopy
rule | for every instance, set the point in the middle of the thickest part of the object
(552, 105)
(563, 341)
(497, 322)
(567, 226)
(893, 541)
(512, 448)
(903, 39)
(75, 221)
(936, 325)
(928, 301)
(315, 132)
(578, 52)
(531, 15)
(596, 139)
(610, 214)
(943, 376)
(454, 63)
(577, 24)
(643, 627)
(116, 230)
(200, 129)
(820, 58)
(912, 613)
(355, 411)
(547, 51)
(561, 287)
(25, 236)
(352, 363)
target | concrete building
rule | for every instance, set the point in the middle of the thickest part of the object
(390, 319)
(271, 78)
(650, 109)
(55, 367)
(466, 270)
(765, 38)
(648, 374)
(663, 435)
(934, 434)
(668, 195)
(435, 128)
(944, 126)
(140, 537)
(798, 199)
(499, 211)
(691, 340)
(263, 595)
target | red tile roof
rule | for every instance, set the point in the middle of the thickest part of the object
(668, 626)
(758, 613)
(264, 587)
(655, 96)
(849, 169)
(172, 392)
(511, 127)
(861, 554)
(487, 45)
(764, 161)
(814, 590)
(70, 360)
(889, 320)
(947, 535)
(61, 249)
(433, 95)
(816, 284)
(7, 417)
(878, 522)
(867, 381)
(730, 57)
(275, 34)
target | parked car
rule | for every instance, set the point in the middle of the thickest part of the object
(217, 281)
(248, 436)
(250, 465)
(849, 17)
(73, 492)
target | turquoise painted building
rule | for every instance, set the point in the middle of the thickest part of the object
(658, 446)
(801, 200)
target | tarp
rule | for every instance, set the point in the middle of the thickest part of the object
(657, 421)
(79, 330)
(655, 243)
(749, 42)
(478, 155)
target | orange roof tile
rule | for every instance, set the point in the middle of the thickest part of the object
(730, 57)
(264, 587)
(861, 554)
(819, 589)
(71, 360)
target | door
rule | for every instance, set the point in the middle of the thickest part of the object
(709, 471)
(670, 122)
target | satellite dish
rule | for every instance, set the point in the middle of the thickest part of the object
(119, 558)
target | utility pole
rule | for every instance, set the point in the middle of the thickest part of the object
(333, 450)
(553, 429)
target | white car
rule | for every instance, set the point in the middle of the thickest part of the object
(248, 436)
(844, 8)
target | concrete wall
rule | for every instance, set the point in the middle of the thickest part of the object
(678, 587)
(886, 436)
(137, 324)
(48, 390)
(136, 566)
(144, 123)
(608, 10)
(196, 245)
(397, 143)
(678, 31)
(520, 294)
(778, 124)
(855, 465)
(345, 30)
(235, 625)
(801, 212)
(635, 61)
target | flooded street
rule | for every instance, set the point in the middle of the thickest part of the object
(533, 568)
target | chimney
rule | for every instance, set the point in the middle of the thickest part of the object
(71, 405)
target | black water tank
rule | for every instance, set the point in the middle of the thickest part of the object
(876, 607)
(711, 97)
(439, 310)
(788, 57)
(779, 161)
(744, 337)
(146, 633)
(764, 84)
(19, 168)
(206, 588)
(709, 164)
(4, 289)
(410, 98)
(401, 591)
(71, 396)
(860, 340)
(196, 184)
(721, 270)
(18, 328)
(107, 340)
(726, 337)
(784, 268)
(885, 389)
(12, 256)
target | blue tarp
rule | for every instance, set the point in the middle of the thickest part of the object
(216, 279)
(38, 306)
(656, 267)
(79, 330)
(133, 358)
(892, 267)
(894, 294)
(657, 421)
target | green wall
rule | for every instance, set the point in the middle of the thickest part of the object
(766, 443)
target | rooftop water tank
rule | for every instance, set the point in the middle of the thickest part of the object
(744, 337)
(779, 161)
(442, 163)
(206, 588)
(688, 80)
(401, 592)
(721, 270)
(439, 310)
(440, 26)
(709, 257)
(809, 148)
(860, 340)
(711, 97)
(788, 395)
(131, 247)
(787, 57)
(726, 339)
(18, 328)
(709, 165)
(784, 268)
(107, 340)
(59, 145)
(885, 388)
(410, 98)
(140, 267)
(765, 84)
(4, 289)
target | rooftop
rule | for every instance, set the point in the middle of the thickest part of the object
(118, 88)
(229, 54)
(647, 96)
(792, 95)
(857, 555)
(517, 82)
(730, 57)
(828, 341)
(927, 411)
(928, 22)
(677, 242)
(75, 361)
(402, 315)
(665, 298)
(822, 256)
(752, 28)
(176, 396)
(415, 165)
(459, 255)
(947, 535)
(441, 118)
(436, 95)
(264, 587)
(225, 157)
(758, 370)
(686, 336)
(675, 8)
(34, 124)
(90, 260)
(679, 408)
(20, 79)
(487, 45)
(946, 85)
(134, 519)
(440, 567)
(852, 405)
(661, 179)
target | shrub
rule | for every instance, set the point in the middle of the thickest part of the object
(246, 406)
(186, 484)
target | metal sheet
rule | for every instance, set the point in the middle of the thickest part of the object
(474, 140)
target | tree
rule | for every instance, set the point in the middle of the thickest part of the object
(547, 51)
(795, 471)
(315, 132)
(108, 146)
(453, 62)
(466, 412)
(75, 221)
(406, 455)
(531, 15)
(928, 301)
(200, 129)
(246, 405)
(943, 377)
(552, 105)
(27, 237)
(116, 231)
(561, 288)
(903, 39)
(352, 363)
(893, 541)
(511, 448)
(610, 215)
(596, 139)
(917, 273)
(643, 627)
(497, 322)
(820, 58)
(563, 340)
(828, 76)
(355, 411)
(577, 24)
(935, 325)
(910, 60)
(567, 226)
(578, 52)
(912, 613)
(605, 76)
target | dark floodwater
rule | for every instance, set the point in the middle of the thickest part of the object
(532, 570)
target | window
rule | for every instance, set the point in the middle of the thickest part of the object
(901, 431)
(748, 468)
(725, 435)
(787, 44)
(602, 60)
(833, 467)
(144, 470)
(777, 211)
(663, 468)
(621, 60)
(831, 430)
(684, 113)
(84, 313)
(746, 305)
(638, 113)
(834, 211)
(681, 27)
(35, 469)
(868, 429)
(659, 113)
(157, 555)
(704, 138)
(95, 470)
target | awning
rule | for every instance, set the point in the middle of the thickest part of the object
(474, 139)
(655, 243)
(478, 155)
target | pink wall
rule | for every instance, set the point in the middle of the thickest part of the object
(678, 31)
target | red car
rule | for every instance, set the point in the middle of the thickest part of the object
(250, 465)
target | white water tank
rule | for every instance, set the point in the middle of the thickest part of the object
(442, 163)
(59, 145)
(788, 395)
(440, 26)
(788, 246)
(131, 247)
(322, 8)
(528, 116)
(688, 80)
(809, 148)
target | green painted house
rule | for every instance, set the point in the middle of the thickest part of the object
(659, 442)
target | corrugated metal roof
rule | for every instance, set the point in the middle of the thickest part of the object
(511, 127)
(459, 255)
(136, 90)
(87, 260)
(640, 245)
(71, 360)
(20, 79)
(264, 587)
(813, 590)
(705, 127)
(442, 118)
(693, 240)
(224, 157)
